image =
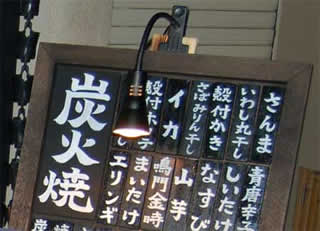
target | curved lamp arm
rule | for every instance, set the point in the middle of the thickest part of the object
(146, 33)
(133, 121)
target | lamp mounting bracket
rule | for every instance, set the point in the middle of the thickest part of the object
(176, 34)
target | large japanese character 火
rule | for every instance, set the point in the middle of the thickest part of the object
(75, 149)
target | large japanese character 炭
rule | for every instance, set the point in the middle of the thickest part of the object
(85, 96)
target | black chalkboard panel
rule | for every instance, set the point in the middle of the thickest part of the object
(221, 154)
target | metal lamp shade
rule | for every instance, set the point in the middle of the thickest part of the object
(132, 121)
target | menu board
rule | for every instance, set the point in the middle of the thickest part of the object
(213, 160)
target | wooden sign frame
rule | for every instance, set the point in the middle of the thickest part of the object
(294, 76)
